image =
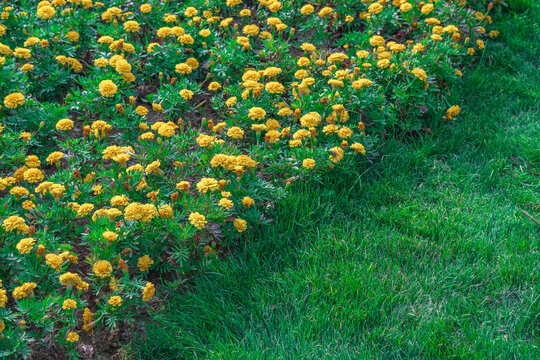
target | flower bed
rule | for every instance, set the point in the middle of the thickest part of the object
(141, 140)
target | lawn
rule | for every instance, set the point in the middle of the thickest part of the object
(425, 254)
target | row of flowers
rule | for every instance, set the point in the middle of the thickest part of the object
(141, 140)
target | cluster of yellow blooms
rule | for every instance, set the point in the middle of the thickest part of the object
(193, 114)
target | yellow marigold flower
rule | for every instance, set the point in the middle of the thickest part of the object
(231, 101)
(361, 83)
(426, 9)
(69, 304)
(251, 75)
(119, 200)
(219, 127)
(247, 201)
(122, 66)
(285, 111)
(72, 337)
(432, 21)
(453, 111)
(64, 125)
(377, 41)
(336, 154)
(28, 205)
(107, 88)
(375, 8)
(85, 209)
(147, 136)
(145, 8)
(24, 291)
(153, 167)
(274, 87)
(272, 136)
(12, 101)
(405, 7)
(244, 41)
(131, 26)
(337, 57)
(235, 132)
(190, 12)
(205, 33)
(70, 279)
(166, 130)
(325, 11)
(19, 191)
(383, 64)
(307, 9)
(295, 143)
(148, 291)
(257, 113)
(140, 212)
(164, 32)
(73, 36)
(186, 94)
(110, 236)
(88, 316)
(300, 74)
(24, 246)
(151, 48)
(81, 285)
(183, 68)
(57, 190)
(144, 263)
(198, 220)
(358, 148)
(5, 50)
(102, 268)
(101, 62)
(46, 12)
(187, 39)
(308, 163)
(214, 86)
(251, 30)
(240, 225)
(183, 185)
(3, 30)
(25, 136)
(205, 140)
(192, 63)
(226, 203)
(27, 67)
(312, 119)
(420, 74)
(22, 53)
(105, 40)
(303, 61)
(232, 3)
(165, 211)
(207, 184)
(3, 301)
(14, 223)
(54, 261)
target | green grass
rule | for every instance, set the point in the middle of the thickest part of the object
(425, 254)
